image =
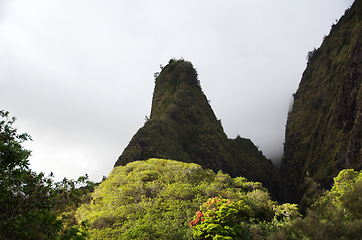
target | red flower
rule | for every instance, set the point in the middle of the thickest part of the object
(194, 222)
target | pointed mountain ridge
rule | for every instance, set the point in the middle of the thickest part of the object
(182, 126)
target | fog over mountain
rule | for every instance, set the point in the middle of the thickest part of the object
(78, 75)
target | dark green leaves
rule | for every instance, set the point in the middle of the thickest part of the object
(31, 204)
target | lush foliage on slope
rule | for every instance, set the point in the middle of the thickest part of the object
(323, 133)
(157, 199)
(337, 214)
(252, 217)
(30, 203)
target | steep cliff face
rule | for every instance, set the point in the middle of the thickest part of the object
(183, 127)
(324, 128)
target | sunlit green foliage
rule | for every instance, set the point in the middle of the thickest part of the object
(253, 216)
(28, 201)
(221, 219)
(335, 215)
(157, 199)
(338, 214)
(153, 198)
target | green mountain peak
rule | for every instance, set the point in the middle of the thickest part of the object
(183, 127)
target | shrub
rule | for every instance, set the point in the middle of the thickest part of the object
(255, 216)
(312, 55)
(338, 214)
(220, 219)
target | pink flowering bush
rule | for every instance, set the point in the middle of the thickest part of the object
(242, 218)
(220, 218)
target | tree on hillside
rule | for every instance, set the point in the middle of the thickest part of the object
(337, 214)
(27, 199)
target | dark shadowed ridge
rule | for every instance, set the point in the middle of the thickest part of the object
(183, 127)
(324, 128)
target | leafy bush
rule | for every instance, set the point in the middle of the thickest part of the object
(338, 214)
(250, 214)
(249, 218)
(220, 219)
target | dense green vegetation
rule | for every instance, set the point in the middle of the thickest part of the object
(323, 133)
(166, 199)
(33, 206)
(162, 199)
(157, 199)
(337, 214)
(183, 126)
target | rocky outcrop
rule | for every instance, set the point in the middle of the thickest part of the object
(182, 126)
(324, 128)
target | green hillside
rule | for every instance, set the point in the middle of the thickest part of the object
(324, 128)
(166, 199)
(183, 126)
(157, 199)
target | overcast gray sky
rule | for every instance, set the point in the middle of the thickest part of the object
(78, 74)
